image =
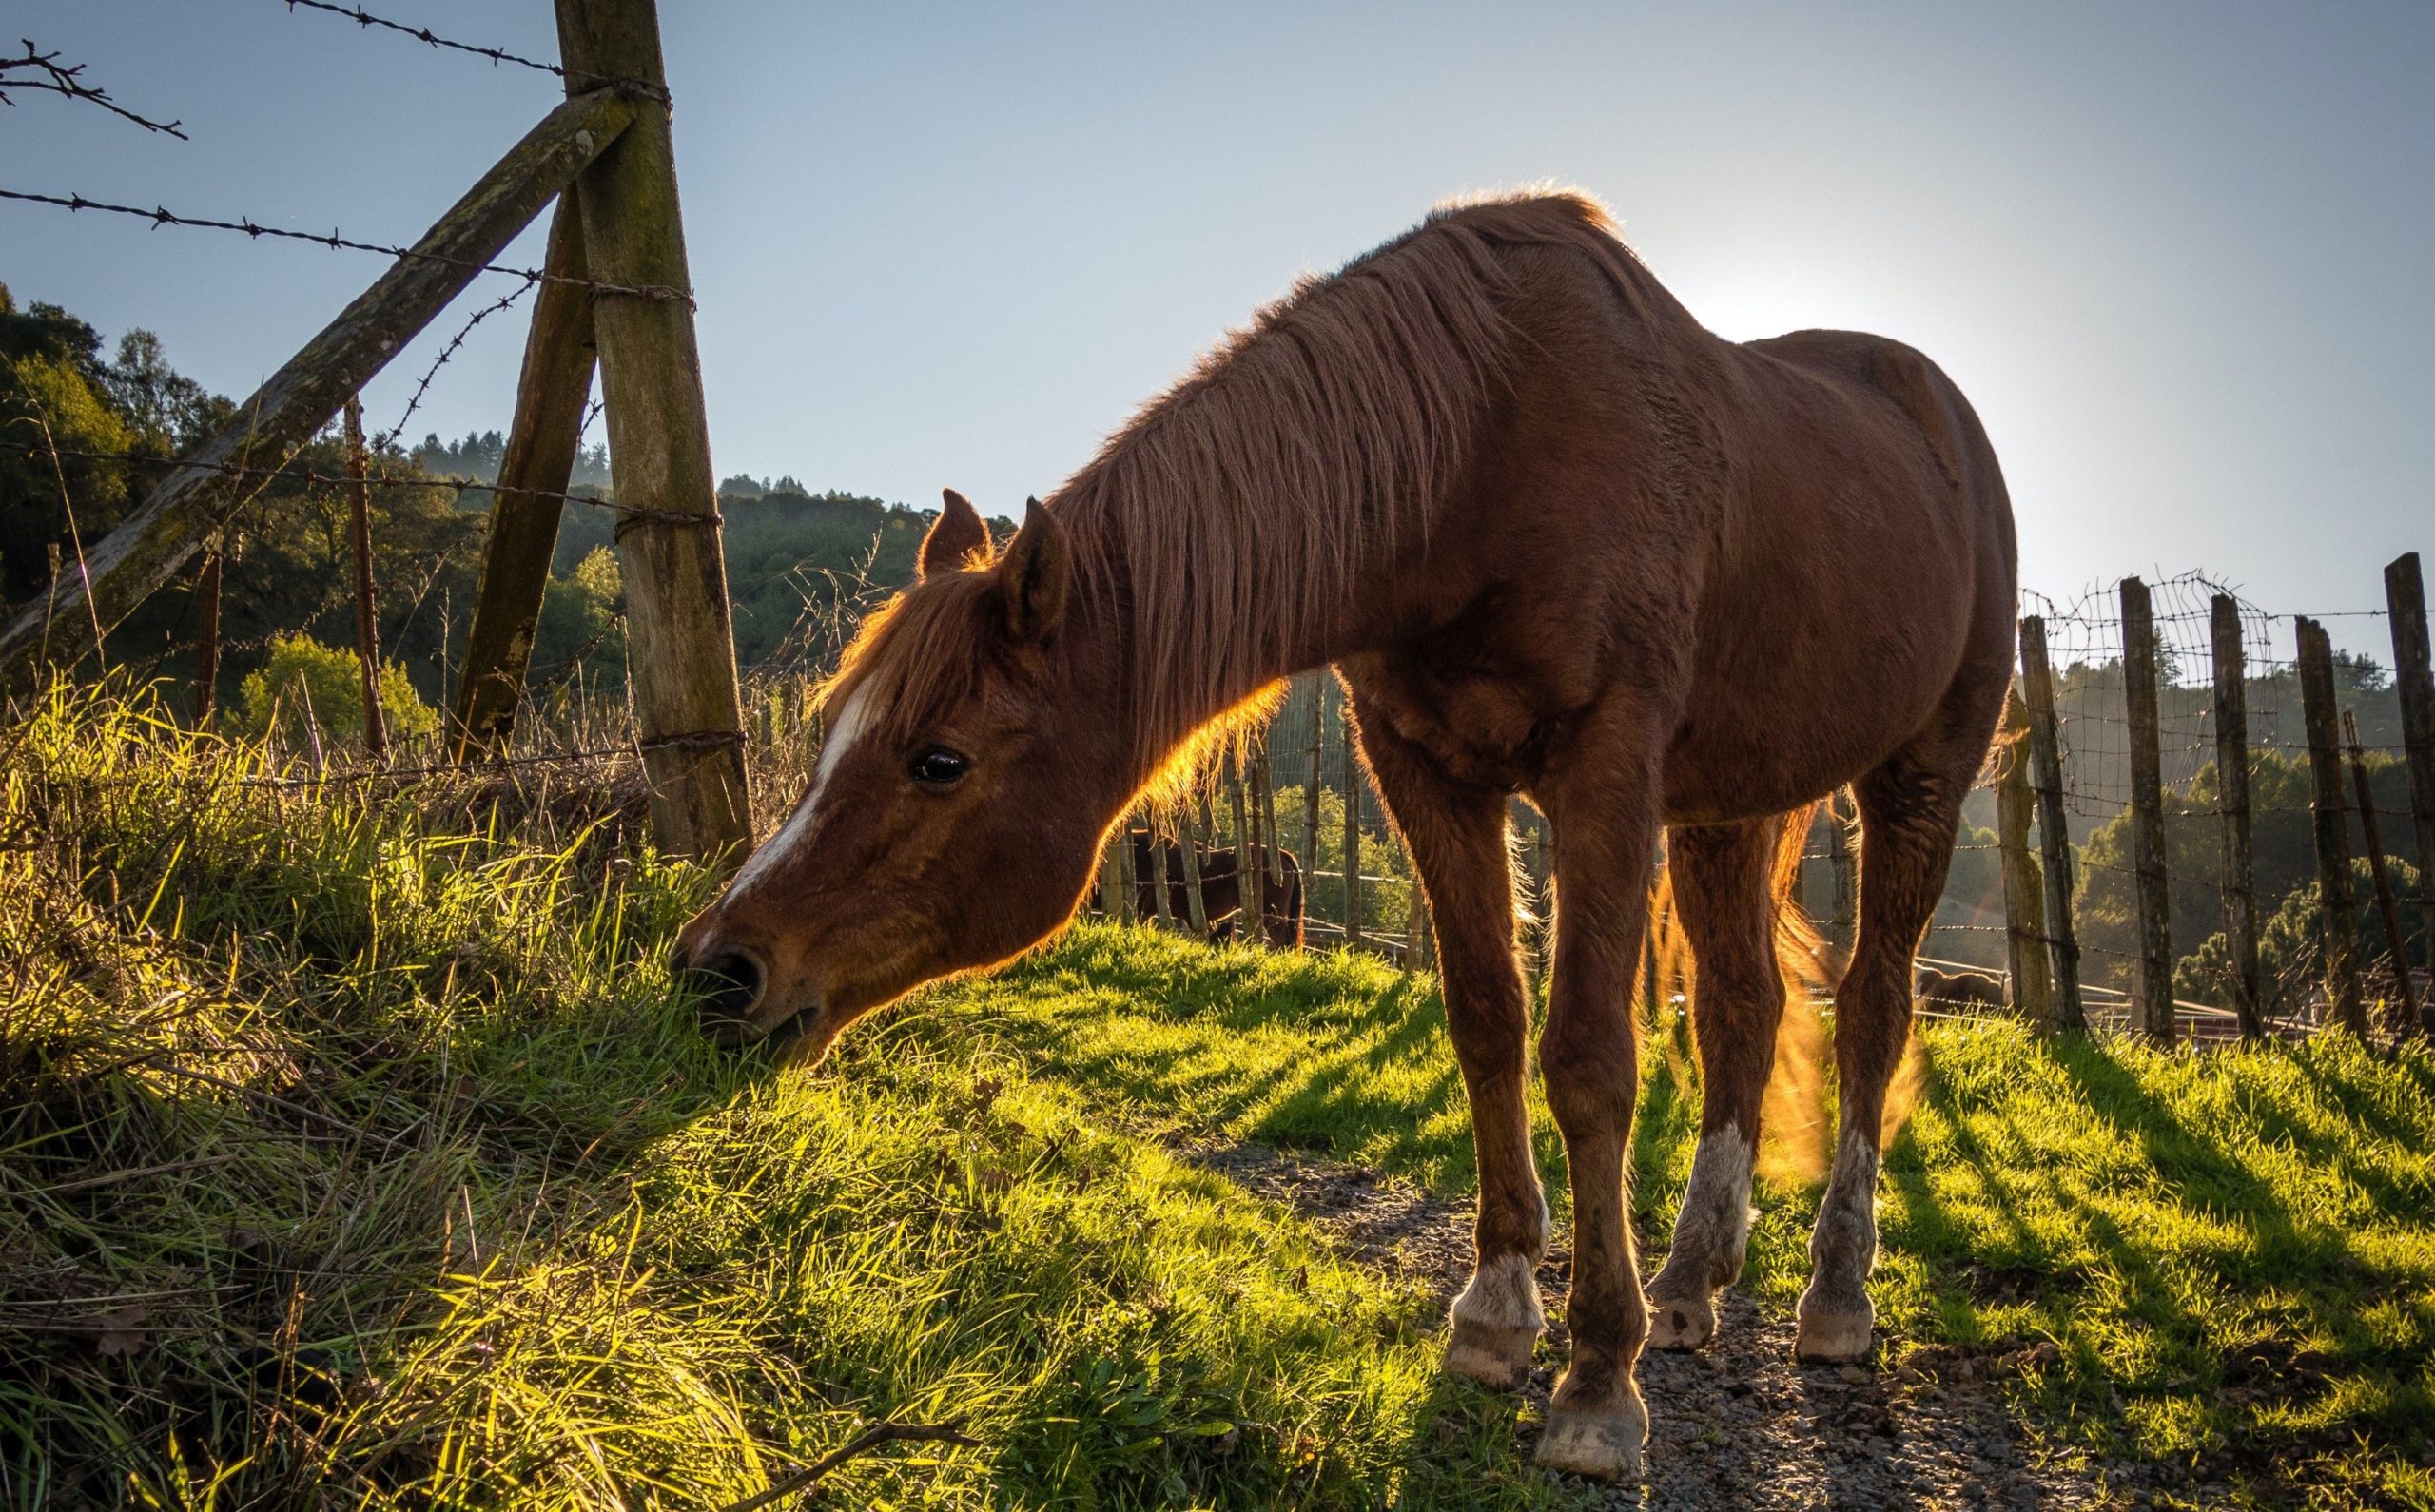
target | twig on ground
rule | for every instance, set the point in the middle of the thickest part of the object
(797, 1481)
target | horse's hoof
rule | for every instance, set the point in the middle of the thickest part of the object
(1496, 1322)
(1491, 1355)
(1833, 1334)
(1682, 1322)
(1603, 1445)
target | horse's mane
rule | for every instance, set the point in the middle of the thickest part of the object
(1228, 519)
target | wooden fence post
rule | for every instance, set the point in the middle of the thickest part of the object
(2406, 597)
(367, 617)
(1128, 905)
(2340, 910)
(1319, 685)
(207, 485)
(1194, 836)
(2024, 890)
(2401, 1017)
(2239, 872)
(2151, 978)
(1111, 869)
(1161, 904)
(1251, 859)
(1353, 789)
(1420, 935)
(1249, 923)
(2054, 830)
(206, 635)
(678, 626)
(1843, 927)
(526, 505)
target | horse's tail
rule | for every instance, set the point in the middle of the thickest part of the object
(1794, 1114)
(1794, 1111)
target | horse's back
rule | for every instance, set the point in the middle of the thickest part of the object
(1864, 570)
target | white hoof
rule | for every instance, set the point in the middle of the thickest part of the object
(1832, 1333)
(1602, 1446)
(1492, 1356)
(1684, 1323)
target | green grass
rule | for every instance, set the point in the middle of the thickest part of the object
(354, 1149)
(351, 1151)
(2229, 1258)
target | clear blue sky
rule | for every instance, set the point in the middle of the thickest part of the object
(2179, 255)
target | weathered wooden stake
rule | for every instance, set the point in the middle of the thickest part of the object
(206, 635)
(2239, 870)
(1321, 682)
(678, 623)
(1160, 907)
(2151, 974)
(367, 610)
(2414, 679)
(526, 506)
(1420, 937)
(1251, 861)
(1128, 905)
(2340, 910)
(2401, 1016)
(199, 495)
(1352, 786)
(1112, 870)
(1192, 833)
(2054, 830)
(1247, 916)
(2024, 890)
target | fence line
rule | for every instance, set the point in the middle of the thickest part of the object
(2127, 736)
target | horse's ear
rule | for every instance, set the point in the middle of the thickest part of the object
(1034, 573)
(954, 536)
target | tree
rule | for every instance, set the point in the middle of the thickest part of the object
(306, 681)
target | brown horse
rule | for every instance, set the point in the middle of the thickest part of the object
(1557, 540)
(1221, 889)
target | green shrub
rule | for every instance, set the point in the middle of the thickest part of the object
(302, 674)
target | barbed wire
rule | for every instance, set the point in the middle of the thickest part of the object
(314, 477)
(389, 435)
(68, 79)
(498, 55)
(339, 242)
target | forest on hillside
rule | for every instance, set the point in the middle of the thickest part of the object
(799, 563)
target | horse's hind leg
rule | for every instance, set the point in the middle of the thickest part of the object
(1909, 807)
(1722, 894)
(1456, 835)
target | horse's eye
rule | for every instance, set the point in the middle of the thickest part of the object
(936, 767)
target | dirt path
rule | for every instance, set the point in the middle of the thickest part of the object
(1736, 1424)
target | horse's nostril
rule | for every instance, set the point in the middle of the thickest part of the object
(729, 983)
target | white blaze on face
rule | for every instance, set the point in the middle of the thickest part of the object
(797, 831)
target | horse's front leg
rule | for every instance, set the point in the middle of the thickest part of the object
(1456, 835)
(1604, 817)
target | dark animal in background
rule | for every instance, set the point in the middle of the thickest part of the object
(1221, 890)
(1960, 989)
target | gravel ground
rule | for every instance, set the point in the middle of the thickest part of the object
(1738, 1423)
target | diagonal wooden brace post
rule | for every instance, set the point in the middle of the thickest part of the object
(525, 508)
(134, 560)
(678, 626)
